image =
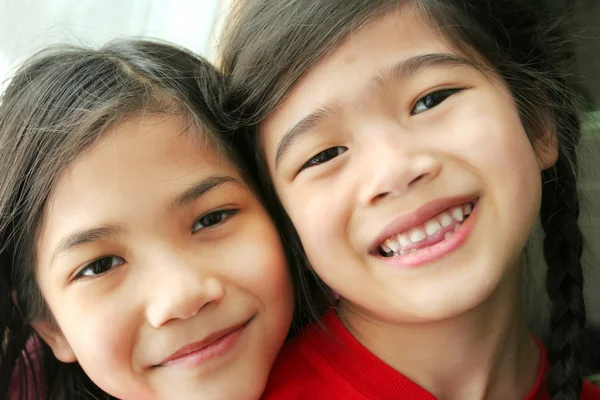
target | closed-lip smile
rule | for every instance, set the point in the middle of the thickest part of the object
(219, 338)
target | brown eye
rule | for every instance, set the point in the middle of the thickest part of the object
(324, 156)
(432, 100)
(212, 219)
(100, 266)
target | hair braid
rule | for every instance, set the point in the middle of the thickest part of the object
(563, 246)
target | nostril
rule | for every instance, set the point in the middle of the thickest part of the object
(417, 179)
(380, 196)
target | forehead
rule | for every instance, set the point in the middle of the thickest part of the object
(137, 167)
(347, 71)
(162, 144)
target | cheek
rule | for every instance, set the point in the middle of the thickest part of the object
(256, 262)
(513, 164)
(492, 138)
(519, 188)
(318, 212)
(102, 331)
(260, 269)
(102, 336)
(510, 170)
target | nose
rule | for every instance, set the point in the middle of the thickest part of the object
(180, 291)
(393, 163)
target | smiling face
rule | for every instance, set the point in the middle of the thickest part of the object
(406, 171)
(162, 270)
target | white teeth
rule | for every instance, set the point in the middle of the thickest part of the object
(404, 240)
(467, 209)
(457, 213)
(432, 226)
(416, 235)
(445, 219)
(385, 248)
(392, 244)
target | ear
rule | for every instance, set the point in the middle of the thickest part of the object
(546, 149)
(56, 340)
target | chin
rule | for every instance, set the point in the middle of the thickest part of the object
(432, 309)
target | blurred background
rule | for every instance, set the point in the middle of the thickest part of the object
(29, 25)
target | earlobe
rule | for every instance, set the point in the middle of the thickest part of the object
(546, 149)
(56, 340)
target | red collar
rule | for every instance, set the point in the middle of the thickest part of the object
(375, 379)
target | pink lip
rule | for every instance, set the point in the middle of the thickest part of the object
(418, 217)
(428, 254)
(214, 345)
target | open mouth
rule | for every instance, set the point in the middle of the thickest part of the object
(435, 230)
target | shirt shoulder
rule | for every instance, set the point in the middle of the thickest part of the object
(590, 392)
(301, 372)
(292, 375)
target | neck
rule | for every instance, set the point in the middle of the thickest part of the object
(486, 352)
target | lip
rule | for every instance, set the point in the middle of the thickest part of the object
(441, 249)
(418, 217)
(214, 345)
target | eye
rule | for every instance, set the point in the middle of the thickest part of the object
(431, 100)
(324, 156)
(100, 266)
(212, 219)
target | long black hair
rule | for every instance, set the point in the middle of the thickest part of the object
(268, 45)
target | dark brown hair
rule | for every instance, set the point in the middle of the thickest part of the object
(58, 105)
(269, 45)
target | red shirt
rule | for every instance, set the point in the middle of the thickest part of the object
(34, 385)
(330, 365)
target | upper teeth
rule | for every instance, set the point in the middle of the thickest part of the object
(416, 235)
(445, 219)
(429, 228)
(457, 213)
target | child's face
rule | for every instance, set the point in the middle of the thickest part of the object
(151, 243)
(383, 147)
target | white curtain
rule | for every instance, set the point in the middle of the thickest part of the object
(29, 25)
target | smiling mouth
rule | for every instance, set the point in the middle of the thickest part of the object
(435, 230)
(211, 347)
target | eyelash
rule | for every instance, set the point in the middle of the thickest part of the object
(100, 262)
(115, 261)
(207, 220)
(331, 152)
(438, 97)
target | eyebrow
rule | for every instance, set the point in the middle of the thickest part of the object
(84, 237)
(102, 232)
(200, 189)
(306, 125)
(401, 70)
(405, 68)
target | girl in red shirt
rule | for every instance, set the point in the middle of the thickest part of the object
(413, 145)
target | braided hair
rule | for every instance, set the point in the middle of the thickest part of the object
(563, 247)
